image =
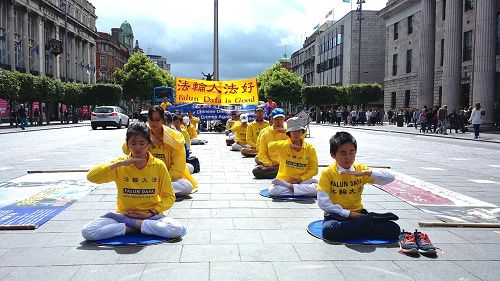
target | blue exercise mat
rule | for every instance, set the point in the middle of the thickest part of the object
(135, 239)
(315, 229)
(265, 193)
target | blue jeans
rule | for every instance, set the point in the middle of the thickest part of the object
(336, 229)
(476, 130)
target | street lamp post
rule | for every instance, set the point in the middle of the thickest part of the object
(216, 40)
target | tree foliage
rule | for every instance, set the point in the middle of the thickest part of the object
(139, 76)
(9, 86)
(280, 84)
(355, 94)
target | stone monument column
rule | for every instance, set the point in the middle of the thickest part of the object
(425, 88)
(11, 54)
(452, 54)
(26, 44)
(484, 58)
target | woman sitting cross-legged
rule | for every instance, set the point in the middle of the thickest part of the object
(298, 163)
(144, 192)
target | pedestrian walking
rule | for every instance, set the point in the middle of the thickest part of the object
(475, 119)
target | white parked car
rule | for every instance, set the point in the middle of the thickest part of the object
(108, 116)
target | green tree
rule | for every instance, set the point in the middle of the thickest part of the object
(106, 94)
(47, 90)
(139, 76)
(280, 84)
(9, 86)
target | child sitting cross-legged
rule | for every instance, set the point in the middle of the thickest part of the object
(339, 195)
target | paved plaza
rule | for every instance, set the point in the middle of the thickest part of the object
(236, 234)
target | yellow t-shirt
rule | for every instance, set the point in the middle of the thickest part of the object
(253, 131)
(240, 133)
(192, 131)
(164, 105)
(194, 120)
(301, 164)
(138, 190)
(344, 190)
(230, 123)
(269, 158)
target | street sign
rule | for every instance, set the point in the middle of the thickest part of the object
(55, 46)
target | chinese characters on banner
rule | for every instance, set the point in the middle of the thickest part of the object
(216, 92)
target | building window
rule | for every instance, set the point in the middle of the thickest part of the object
(467, 46)
(443, 12)
(442, 53)
(468, 5)
(395, 65)
(102, 60)
(407, 98)
(396, 33)
(498, 33)
(393, 100)
(410, 24)
(408, 61)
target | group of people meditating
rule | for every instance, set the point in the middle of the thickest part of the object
(153, 172)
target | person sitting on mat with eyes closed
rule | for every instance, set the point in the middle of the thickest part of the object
(298, 163)
(339, 195)
(144, 192)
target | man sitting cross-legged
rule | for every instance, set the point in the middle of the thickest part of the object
(253, 131)
(298, 163)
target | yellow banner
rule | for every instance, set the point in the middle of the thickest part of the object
(216, 92)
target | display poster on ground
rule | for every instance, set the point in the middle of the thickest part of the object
(33, 199)
(232, 92)
(445, 204)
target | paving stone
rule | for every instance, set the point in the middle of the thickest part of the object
(62, 226)
(484, 270)
(227, 196)
(196, 237)
(447, 270)
(201, 253)
(32, 256)
(477, 236)
(110, 272)
(324, 251)
(295, 223)
(26, 240)
(231, 213)
(4, 271)
(288, 213)
(256, 271)
(184, 204)
(268, 252)
(52, 273)
(256, 223)
(86, 254)
(235, 236)
(210, 223)
(371, 270)
(287, 236)
(248, 204)
(210, 204)
(276, 204)
(72, 239)
(165, 252)
(299, 271)
(189, 213)
(177, 271)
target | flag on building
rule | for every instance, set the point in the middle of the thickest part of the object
(317, 26)
(346, 1)
(329, 14)
(49, 52)
(81, 64)
(2, 38)
(36, 48)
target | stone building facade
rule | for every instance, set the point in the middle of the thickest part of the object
(442, 52)
(111, 55)
(26, 27)
(332, 59)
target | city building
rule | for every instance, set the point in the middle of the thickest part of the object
(127, 36)
(331, 55)
(160, 62)
(442, 52)
(286, 62)
(111, 54)
(32, 38)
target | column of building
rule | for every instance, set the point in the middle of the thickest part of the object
(453, 55)
(93, 58)
(484, 57)
(425, 87)
(56, 61)
(11, 58)
(41, 42)
(73, 57)
(85, 71)
(25, 43)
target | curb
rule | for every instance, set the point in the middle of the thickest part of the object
(409, 133)
(43, 128)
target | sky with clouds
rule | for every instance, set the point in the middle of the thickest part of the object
(253, 34)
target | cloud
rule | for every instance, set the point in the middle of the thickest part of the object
(252, 33)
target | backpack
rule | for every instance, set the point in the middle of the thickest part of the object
(193, 160)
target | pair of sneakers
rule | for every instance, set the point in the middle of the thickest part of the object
(416, 242)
